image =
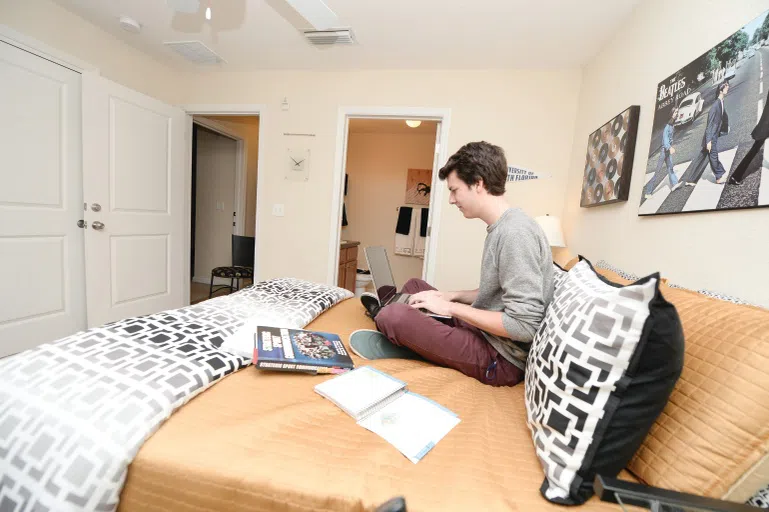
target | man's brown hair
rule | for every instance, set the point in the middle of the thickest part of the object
(479, 161)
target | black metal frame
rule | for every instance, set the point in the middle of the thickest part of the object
(231, 286)
(641, 495)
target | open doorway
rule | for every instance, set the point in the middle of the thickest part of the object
(224, 165)
(389, 172)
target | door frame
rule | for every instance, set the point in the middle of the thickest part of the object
(241, 170)
(441, 115)
(246, 109)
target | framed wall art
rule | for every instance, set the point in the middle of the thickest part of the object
(609, 160)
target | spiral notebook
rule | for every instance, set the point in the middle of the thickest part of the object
(381, 403)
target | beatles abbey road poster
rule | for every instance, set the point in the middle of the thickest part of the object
(711, 119)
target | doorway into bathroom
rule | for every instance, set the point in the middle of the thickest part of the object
(388, 178)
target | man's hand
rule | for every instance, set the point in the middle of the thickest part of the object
(672, 150)
(432, 301)
(422, 296)
(709, 144)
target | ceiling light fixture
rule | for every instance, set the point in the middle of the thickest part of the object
(208, 13)
(413, 123)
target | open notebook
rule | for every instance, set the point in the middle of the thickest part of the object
(380, 403)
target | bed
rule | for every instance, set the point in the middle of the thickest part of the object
(217, 434)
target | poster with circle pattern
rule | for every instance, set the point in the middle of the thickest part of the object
(609, 160)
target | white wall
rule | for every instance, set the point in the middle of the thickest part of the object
(723, 251)
(377, 165)
(51, 24)
(215, 170)
(529, 113)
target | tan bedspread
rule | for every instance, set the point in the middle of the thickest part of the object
(266, 441)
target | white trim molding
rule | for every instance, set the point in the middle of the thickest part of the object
(443, 116)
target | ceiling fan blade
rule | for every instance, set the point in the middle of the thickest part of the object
(316, 12)
(185, 6)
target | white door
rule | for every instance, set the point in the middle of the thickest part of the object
(133, 173)
(428, 269)
(42, 292)
(214, 203)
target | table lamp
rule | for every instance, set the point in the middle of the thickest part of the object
(552, 228)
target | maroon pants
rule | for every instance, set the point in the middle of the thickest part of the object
(455, 344)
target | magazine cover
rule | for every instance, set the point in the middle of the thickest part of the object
(297, 350)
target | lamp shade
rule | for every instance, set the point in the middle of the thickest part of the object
(552, 228)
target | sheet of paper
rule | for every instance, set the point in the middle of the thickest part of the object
(412, 423)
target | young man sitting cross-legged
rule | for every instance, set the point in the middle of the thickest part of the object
(491, 329)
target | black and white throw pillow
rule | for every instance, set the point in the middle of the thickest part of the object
(600, 371)
(761, 498)
(558, 274)
(724, 297)
(622, 273)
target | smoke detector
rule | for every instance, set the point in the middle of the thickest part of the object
(130, 25)
(329, 37)
(195, 51)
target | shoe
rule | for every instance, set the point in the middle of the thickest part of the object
(676, 186)
(721, 180)
(371, 303)
(690, 184)
(733, 181)
(369, 344)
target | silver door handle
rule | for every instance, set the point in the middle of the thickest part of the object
(97, 225)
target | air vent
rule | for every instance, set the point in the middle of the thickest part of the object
(195, 51)
(329, 37)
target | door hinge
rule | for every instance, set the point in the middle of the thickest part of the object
(429, 230)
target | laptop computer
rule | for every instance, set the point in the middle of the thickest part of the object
(384, 283)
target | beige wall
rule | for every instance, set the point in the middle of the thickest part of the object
(377, 165)
(215, 184)
(722, 251)
(510, 108)
(50, 24)
(246, 127)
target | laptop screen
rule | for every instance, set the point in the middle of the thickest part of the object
(380, 273)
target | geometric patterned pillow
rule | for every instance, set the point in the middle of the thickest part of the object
(599, 372)
(724, 297)
(558, 274)
(761, 499)
(716, 295)
(625, 275)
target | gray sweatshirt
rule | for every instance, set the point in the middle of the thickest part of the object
(516, 279)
